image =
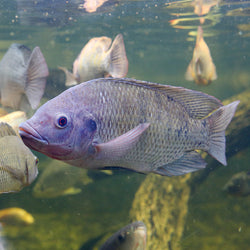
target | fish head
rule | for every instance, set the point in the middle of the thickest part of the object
(132, 236)
(58, 132)
(236, 185)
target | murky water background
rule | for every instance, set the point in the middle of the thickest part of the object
(156, 52)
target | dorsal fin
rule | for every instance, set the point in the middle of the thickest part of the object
(197, 104)
(6, 130)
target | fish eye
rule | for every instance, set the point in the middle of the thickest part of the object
(121, 237)
(91, 124)
(61, 121)
(37, 160)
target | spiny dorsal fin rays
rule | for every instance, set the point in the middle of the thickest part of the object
(6, 130)
(197, 104)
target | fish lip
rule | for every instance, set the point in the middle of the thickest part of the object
(28, 132)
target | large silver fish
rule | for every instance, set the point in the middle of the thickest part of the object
(23, 77)
(141, 126)
(18, 166)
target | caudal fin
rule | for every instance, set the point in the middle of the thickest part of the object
(118, 66)
(219, 121)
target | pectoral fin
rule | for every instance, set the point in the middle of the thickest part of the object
(121, 145)
(70, 78)
(13, 173)
(72, 191)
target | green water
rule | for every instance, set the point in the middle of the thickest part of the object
(156, 52)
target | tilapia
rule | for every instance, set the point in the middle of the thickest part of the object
(23, 77)
(59, 179)
(239, 184)
(15, 216)
(98, 59)
(130, 237)
(201, 69)
(137, 125)
(18, 165)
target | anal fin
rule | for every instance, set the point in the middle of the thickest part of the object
(189, 162)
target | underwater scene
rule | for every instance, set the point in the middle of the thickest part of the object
(124, 124)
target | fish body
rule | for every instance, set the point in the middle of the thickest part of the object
(18, 166)
(239, 184)
(130, 237)
(15, 216)
(141, 126)
(98, 59)
(201, 68)
(23, 77)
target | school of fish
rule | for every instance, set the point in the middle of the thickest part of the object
(107, 121)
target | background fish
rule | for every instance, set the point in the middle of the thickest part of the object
(58, 179)
(97, 59)
(239, 184)
(15, 216)
(23, 77)
(201, 69)
(18, 166)
(132, 124)
(132, 237)
(14, 119)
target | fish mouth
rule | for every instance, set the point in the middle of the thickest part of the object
(33, 140)
(29, 135)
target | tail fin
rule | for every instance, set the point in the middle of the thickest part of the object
(219, 121)
(119, 63)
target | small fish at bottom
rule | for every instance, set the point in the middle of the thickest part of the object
(130, 237)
